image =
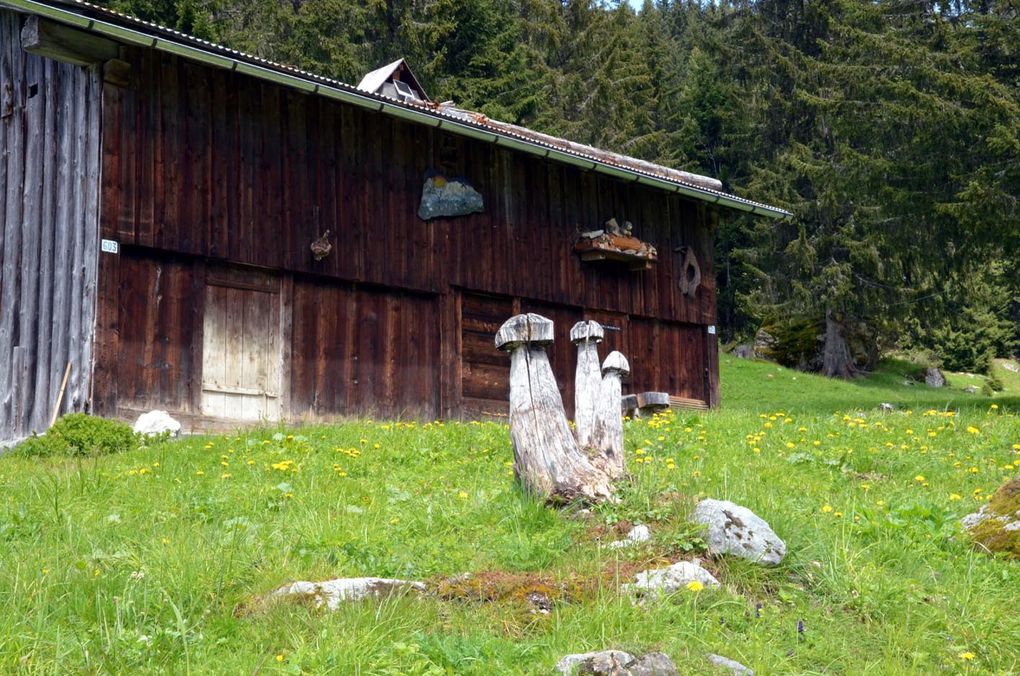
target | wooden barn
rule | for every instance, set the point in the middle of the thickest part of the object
(189, 228)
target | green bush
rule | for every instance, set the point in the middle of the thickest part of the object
(78, 434)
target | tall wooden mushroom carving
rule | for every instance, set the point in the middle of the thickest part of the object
(586, 335)
(547, 459)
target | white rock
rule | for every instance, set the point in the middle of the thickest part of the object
(934, 378)
(637, 535)
(155, 423)
(332, 593)
(738, 531)
(1008, 522)
(972, 520)
(671, 579)
(600, 659)
(736, 667)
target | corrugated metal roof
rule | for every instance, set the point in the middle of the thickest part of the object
(131, 30)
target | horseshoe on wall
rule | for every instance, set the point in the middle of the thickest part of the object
(690, 271)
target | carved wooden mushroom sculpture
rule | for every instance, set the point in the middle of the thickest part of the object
(547, 460)
(586, 336)
(607, 436)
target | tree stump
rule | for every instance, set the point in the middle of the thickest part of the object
(586, 336)
(547, 459)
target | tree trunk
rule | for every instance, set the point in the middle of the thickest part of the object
(547, 459)
(837, 360)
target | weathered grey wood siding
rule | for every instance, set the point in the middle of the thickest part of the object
(49, 216)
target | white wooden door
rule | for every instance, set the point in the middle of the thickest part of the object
(241, 346)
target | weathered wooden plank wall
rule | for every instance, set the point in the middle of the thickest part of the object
(250, 172)
(203, 164)
(363, 350)
(49, 176)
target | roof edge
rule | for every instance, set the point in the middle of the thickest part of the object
(147, 34)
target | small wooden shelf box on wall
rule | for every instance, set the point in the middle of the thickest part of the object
(617, 244)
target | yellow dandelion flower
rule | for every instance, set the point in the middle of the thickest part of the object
(968, 656)
(695, 586)
(279, 658)
(826, 508)
(920, 479)
(462, 495)
(955, 496)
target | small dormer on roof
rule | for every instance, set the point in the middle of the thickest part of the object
(395, 80)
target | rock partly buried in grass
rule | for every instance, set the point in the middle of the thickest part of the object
(617, 663)
(332, 593)
(637, 535)
(738, 531)
(157, 423)
(996, 526)
(603, 659)
(734, 666)
(934, 378)
(670, 580)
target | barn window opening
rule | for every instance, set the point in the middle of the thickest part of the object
(33, 89)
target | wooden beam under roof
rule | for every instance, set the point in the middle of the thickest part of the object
(63, 43)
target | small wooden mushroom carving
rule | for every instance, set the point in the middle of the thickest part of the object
(607, 436)
(690, 272)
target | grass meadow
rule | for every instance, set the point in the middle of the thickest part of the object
(152, 561)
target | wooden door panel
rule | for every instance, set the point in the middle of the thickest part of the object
(241, 349)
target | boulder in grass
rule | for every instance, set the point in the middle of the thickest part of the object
(606, 660)
(737, 531)
(672, 579)
(332, 593)
(995, 527)
(637, 535)
(934, 378)
(735, 667)
(157, 423)
(617, 663)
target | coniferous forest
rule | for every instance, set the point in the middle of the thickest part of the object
(889, 128)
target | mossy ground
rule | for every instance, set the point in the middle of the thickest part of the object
(990, 533)
(138, 562)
